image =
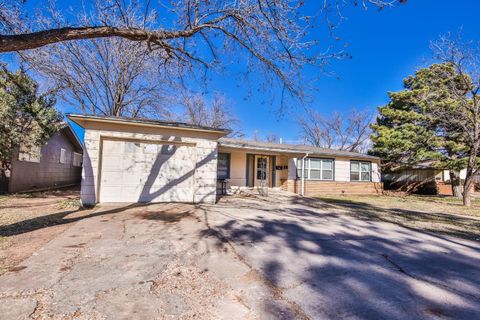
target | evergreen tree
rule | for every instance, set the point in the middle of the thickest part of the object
(27, 118)
(411, 128)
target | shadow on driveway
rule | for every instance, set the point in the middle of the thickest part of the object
(337, 265)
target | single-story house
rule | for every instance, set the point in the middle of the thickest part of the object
(141, 160)
(422, 178)
(56, 163)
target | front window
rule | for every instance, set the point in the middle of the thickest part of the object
(223, 166)
(316, 169)
(360, 171)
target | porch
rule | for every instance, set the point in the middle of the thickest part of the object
(245, 169)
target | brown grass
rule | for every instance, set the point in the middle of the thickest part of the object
(444, 215)
(28, 221)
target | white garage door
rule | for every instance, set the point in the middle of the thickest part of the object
(146, 172)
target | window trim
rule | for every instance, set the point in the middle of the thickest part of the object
(360, 171)
(64, 152)
(307, 177)
(229, 158)
(73, 159)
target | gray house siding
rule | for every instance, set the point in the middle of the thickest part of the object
(49, 172)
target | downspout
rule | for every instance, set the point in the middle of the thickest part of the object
(303, 174)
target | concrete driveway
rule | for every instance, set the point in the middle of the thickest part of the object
(336, 266)
(244, 258)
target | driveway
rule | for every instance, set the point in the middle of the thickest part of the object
(244, 258)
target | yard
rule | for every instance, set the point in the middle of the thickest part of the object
(28, 221)
(247, 257)
(443, 215)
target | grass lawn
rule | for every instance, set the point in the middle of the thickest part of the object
(445, 215)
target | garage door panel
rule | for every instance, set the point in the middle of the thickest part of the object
(109, 178)
(147, 172)
(111, 163)
(173, 195)
(111, 193)
(113, 148)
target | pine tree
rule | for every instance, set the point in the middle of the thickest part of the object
(27, 118)
(411, 128)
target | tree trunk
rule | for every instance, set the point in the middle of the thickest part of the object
(456, 186)
(26, 41)
(467, 187)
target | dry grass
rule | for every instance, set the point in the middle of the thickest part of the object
(444, 215)
(27, 221)
(427, 204)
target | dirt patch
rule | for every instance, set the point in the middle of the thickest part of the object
(28, 221)
(168, 213)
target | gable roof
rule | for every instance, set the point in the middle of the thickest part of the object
(81, 119)
(72, 136)
(291, 148)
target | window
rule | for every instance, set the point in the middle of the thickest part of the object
(29, 154)
(262, 168)
(63, 155)
(316, 169)
(360, 171)
(223, 166)
(77, 159)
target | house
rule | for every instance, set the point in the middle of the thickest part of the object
(140, 160)
(422, 178)
(56, 163)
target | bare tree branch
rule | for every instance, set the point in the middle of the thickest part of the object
(462, 121)
(198, 110)
(348, 131)
(272, 35)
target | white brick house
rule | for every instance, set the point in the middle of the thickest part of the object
(139, 160)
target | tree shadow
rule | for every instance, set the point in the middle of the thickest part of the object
(338, 266)
(147, 195)
(431, 222)
(55, 219)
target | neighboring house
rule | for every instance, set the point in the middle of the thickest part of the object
(422, 179)
(137, 160)
(56, 163)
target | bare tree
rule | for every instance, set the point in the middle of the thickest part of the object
(109, 76)
(273, 138)
(461, 119)
(273, 34)
(198, 110)
(348, 131)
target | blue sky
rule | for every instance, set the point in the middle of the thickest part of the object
(386, 46)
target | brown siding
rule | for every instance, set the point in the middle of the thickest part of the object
(317, 188)
(49, 172)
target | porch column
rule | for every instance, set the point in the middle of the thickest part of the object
(274, 171)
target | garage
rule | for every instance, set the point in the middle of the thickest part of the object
(136, 171)
(143, 160)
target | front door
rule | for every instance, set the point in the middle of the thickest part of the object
(261, 171)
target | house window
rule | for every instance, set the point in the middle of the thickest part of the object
(63, 155)
(77, 159)
(29, 153)
(316, 169)
(223, 166)
(360, 171)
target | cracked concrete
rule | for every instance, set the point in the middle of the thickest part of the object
(244, 258)
(135, 264)
(335, 266)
